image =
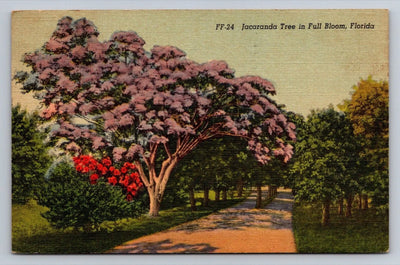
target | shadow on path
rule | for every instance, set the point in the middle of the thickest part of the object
(276, 215)
(165, 246)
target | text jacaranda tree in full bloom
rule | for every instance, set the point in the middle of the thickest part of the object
(147, 108)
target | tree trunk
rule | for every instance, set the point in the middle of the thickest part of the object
(154, 205)
(192, 199)
(270, 192)
(240, 188)
(349, 200)
(340, 206)
(156, 185)
(365, 202)
(224, 194)
(259, 196)
(360, 201)
(217, 194)
(326, 212)
(206, 196)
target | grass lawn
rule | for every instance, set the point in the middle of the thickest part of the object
(33, 234)
(364, 232)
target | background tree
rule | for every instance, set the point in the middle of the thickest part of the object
(322, 156)
(193, 173)
(188, 182)
(135, 102)
(350, 182)
(369, 113)
(212, 165)
(29, 155)
(227, 166)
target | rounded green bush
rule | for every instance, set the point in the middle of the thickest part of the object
(74, 202)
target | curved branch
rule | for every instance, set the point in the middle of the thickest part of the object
(142, 174)
(167, 150)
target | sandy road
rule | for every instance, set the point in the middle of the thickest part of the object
(238, 229)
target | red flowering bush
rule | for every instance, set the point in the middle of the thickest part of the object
(73, 202)
(126, 176)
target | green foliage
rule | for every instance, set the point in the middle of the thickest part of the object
(378, 184)
(210, 165)
(74, 202)
(364, 232)
(321, 162)
(225, 164)
(369, 109)
(29, 155)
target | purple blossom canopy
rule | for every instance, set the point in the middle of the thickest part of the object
(133, 101)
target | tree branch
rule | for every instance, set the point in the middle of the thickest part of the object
(142, 175)
(167, 150)
(164, 166)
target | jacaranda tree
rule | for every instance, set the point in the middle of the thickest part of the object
(138, 106)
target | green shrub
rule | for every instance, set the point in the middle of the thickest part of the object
(74, 202)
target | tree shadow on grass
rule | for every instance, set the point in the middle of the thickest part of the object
(164, 246)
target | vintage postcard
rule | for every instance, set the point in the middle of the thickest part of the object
(200, 131)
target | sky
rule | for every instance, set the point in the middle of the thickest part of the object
(310, 68)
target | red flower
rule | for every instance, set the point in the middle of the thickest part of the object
(85, 159)
(129, 165)
(104, 171)
(125, 182)
(106, 161)
(94, 177)
(132, 187)
(112, 180)
(131, 182)
(135, 176)
(121, 180)
(79, 168)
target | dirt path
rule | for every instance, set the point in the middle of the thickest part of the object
(239, 229)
